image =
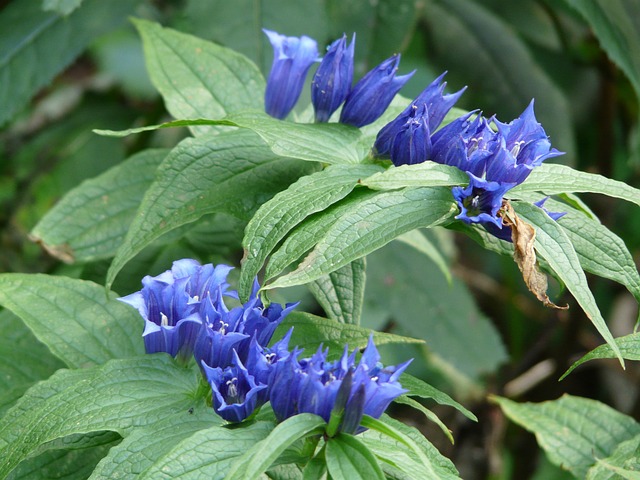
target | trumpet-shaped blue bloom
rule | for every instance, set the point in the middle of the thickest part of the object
(332, 80)
(169, 305)
(371, 96)
(427, 110)
(223, 331)
(466, 144)
(524, 146)
(315, 385)
(235, 393)
(292, 58)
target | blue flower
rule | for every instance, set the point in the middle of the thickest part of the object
(224, 331)
(292, 58)
(169, 305)
(235, 393)
(524, 146)
(332, 80)
(315, 385)
(429, 108)
(480, 201)
(465, 144)
(371, 96)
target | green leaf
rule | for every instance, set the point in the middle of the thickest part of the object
(551, 179)
(369, 225)
(76, 458)
(233, 172)
(341, 293)
(74, 231)
(259, 457)
(117, 396)
(163, 448)
(197, 78)
(573, 431)
(37, 45)
(306, 234)
(403, 399)
(422, 244)
(624, 462)
(348, 458)
(36, 361)
(388, 439)
(80, 324)
(426, 174)
(554, 246)
(275, 218)
(629, 347)
(309, 331)
(442, 314)
(63, 7)
(332, 143)
(600, 251)
(616, 24)
(420, 388)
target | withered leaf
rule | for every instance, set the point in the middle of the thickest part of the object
(523, 236)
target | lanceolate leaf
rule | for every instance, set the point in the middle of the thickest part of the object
(91, 221)
(118, 396)
(208, 453)
(309, 331)
(420, 388)
(274, 219)
(233, 172)
(37, 45)
(551, 178)
(573, 431)
(149, 450)
(76, 319)
(71, 458)
(554, 246)
(199, 79)
(406, 450)
(624, 462)
(426, 174)
(348, 458)
(332, 143)
(629, 346)
(258, 458)
(369, 225)
(600, 251)
(341, 293)
(306, 234)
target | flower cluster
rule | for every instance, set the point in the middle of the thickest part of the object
(185, 316)
(495, 160)
(331, 87)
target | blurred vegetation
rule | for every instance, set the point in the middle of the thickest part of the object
(68, 66)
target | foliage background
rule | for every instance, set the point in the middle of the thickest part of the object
(485, 334)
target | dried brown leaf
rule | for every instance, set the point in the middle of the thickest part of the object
(523, 236)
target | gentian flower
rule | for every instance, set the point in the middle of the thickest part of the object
(480, 201)
(429, 108)
(332, 80)
(524, 146)
(224, 331)
(169, 304)
(466, 144)
(292, 58)
(371, 96)
(235, 393)
(315, 385)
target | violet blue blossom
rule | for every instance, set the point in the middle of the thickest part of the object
(292, 58)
